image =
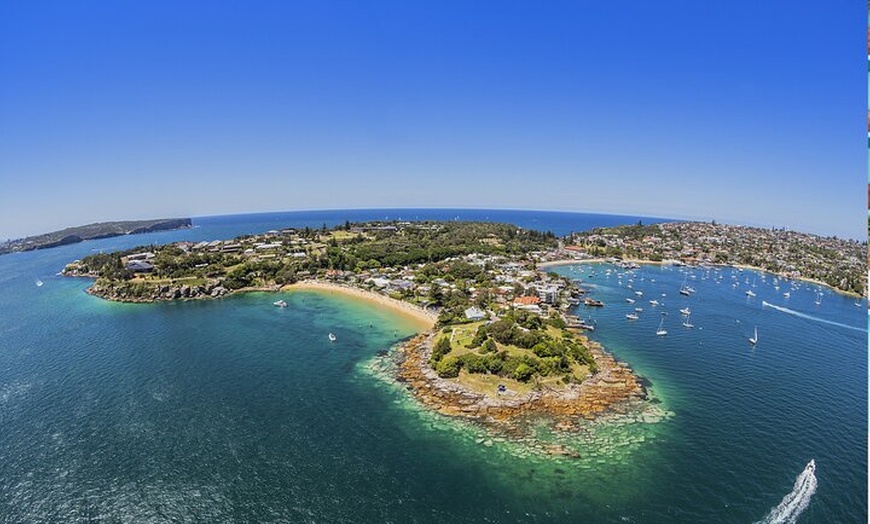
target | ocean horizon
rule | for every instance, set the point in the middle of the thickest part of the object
(233, 410)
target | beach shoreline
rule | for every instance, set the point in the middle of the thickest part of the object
(425, 319)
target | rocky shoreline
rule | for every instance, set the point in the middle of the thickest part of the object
(614, 388)
(162, 293)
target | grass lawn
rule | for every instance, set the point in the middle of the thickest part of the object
(463, 334)
(580, 371)
(488, 384)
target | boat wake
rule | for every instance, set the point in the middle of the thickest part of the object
(810, 317)
(793, 504)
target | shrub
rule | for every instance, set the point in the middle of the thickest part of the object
(441, 348)
(523, 372)
(474, 363)
(448, 367)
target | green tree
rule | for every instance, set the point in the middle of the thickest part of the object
(448, 367)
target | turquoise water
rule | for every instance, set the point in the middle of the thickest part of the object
(237, 411)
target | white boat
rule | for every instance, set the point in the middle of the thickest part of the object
(39, 283)
(811, 466)
(279, 303)
(819, 298)
(630, 300)
(654, 302)
(786, 294)
(686, 311)
(331, 337)
(754, 339)
(661, 331)
(638, 309)
(685, 289)
(631, 316)
(639, 293)
(687, 324)
(750, 293)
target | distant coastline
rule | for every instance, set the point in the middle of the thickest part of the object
(74, 235)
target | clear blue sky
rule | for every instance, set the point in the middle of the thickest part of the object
(749, 112)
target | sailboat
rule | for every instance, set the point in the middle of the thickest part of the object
(685, 289)
(754, 339)
(661, 331)
(819, 298)
(686, 322)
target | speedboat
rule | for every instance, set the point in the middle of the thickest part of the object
(331, 337)
(811, 466)
(279, 303)
(631, 316)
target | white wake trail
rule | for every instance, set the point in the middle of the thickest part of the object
(810, 317)
(793, 504)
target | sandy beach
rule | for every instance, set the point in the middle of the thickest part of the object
(424, 318)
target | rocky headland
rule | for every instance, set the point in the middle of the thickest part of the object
(613, 388)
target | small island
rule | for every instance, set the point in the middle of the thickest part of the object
(502, 345)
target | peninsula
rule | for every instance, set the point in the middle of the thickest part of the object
(502, 344)
(72, 235)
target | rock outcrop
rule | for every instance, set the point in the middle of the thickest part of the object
(125, 292)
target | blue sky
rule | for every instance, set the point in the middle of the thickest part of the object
(749, 112)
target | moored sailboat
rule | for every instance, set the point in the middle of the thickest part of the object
(661, 331)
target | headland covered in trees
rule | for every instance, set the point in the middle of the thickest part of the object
(73, 235)
(504, 345)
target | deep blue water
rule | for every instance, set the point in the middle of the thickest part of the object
(236, 411)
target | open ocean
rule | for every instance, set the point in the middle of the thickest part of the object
(236, 411)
